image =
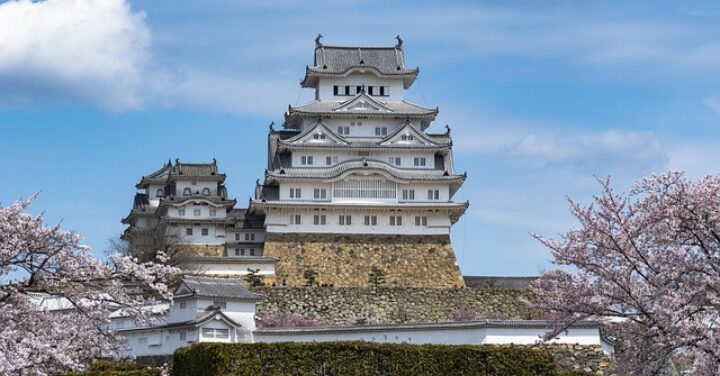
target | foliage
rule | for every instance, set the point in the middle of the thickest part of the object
(285, 320)
(310, 277)
(253, 279)
(359, 358)
(109, 368)
(376, 277)
(652, 259)
(48, 266)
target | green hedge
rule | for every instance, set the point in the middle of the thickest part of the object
(110, 368)
(359, 358)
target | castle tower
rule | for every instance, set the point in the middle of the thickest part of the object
(356, 191)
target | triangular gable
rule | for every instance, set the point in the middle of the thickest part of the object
(318, 134)
(183, 289)
(362, 102)
(407, 135)
(164, 171)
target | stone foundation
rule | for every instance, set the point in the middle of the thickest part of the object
(353, 305)
(568, 358)
(362, 260)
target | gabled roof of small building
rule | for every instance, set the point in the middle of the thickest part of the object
(241, 218)
(169, 171)
(212, 314)
(341, 60)
(221, 288)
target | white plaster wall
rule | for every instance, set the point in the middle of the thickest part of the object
(190, 207)
(406, 157)
(476, 336)
(360, 127)
(197, 188)
(259, 235)
(216, 234)
(325, 86)
(226, 269)
(279, 222)
(176, 313)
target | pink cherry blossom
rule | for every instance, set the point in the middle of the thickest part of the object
(40, 265)
(650, 260)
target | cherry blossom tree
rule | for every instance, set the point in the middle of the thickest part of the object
(650, 260)
(55, 297)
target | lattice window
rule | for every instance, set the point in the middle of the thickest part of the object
(360, 188)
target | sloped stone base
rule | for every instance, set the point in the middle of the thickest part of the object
(363, 260)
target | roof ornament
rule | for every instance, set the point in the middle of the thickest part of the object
(169, 162)
(271, 126)
(214, 161)
(407, 120)
(177, 160)
(318, 44)
(364, 162)
(447, 129)
(362, 61)
(399, 42)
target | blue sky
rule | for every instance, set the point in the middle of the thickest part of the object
(541, 97)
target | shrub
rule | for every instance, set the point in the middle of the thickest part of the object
(359, 358)
(112, 368)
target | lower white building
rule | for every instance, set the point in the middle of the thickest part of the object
(223, 310)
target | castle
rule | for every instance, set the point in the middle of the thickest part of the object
(349, 228)
(355, 188)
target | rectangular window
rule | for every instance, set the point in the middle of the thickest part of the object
(328, 161)
(252, 252)
(345, 220)
(306, 160)
(237, 252)
(343, 130)
(295, 193)
(347, 90)
(419, 161)
(371, 90)
(384, 91)
(433, 194)
(183, 335)
(183, 305)
(181, 212)
(320, 193)
(395, 161)
(220, 304)
(237, 236)
(319, 219)
(213, 212)
(395, 220)
(336, 90)
(196, 212)
(420, 221)
(408, 194)
(370, 220)
(188, 231)
(242, 251)
(295, 219)
(205, 232)
(214, 333)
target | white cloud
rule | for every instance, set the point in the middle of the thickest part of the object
(68, 50)
(713, 103)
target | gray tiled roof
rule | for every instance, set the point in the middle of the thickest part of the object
(340, 168)
(397, 108)
(200, 319)
(338, 59)
(219, 288)
(244, 220)
(197, 171)
(516, 283)
(424, 326)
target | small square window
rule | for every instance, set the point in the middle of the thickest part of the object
(181, 212)
(204, 232)
(213, 212)
(196, 212)
(188, 231)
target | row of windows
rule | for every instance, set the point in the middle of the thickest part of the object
(347, 90)
(417, 161)
(196, 212)
(244, 252)
(248, 236)
(203, 231)
(364, 189)
(308, 160)
(346, 220)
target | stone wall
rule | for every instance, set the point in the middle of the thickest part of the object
(353, 260)
(351, 305)
(568, 358)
